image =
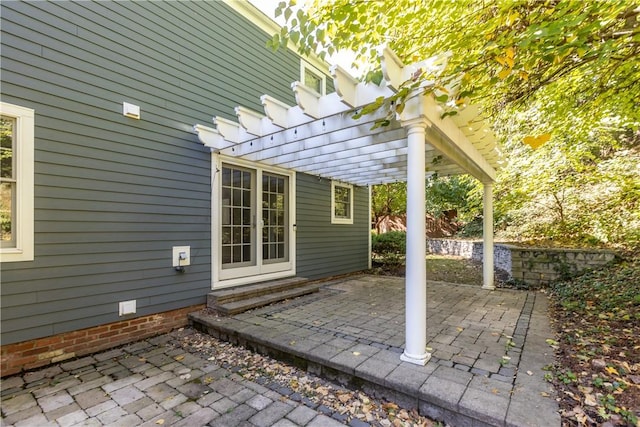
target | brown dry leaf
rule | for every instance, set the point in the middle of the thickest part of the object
(322, 390)
(403, 414)
(344, 397)
(160, 421)
(179, 358)
(389, 406)
(142, 359)
(590, 400)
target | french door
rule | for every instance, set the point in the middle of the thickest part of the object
(255, 237)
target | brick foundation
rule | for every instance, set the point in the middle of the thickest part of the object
(44, 351)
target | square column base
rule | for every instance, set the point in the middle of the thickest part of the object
(421, 359)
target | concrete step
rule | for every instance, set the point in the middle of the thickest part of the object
(239, 306)
(236, 300)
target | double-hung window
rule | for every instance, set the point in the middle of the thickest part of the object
(341, 203)
(16, 182)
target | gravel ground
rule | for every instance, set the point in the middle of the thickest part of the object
(299, 385)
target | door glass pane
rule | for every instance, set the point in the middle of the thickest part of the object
(274, 218)
(238, 213)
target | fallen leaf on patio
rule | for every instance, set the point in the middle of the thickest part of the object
(611, 370)
(208, 380)
(459, 329)
(179, 358)
(142, 359)
(544, 394)
(160, 421)
(529, 373)
(495, 391)
(344, 398)
(292, 342)
(590, 400)
(185, 376)
(322, 390)
(356, 353)
(389, 406)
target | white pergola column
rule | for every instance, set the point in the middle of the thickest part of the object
(487, 234)
(416, 275)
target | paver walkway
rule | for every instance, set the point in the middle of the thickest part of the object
(489, 349)
(149, 383)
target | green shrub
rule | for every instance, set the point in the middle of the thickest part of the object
(389, 248)
(393, 242)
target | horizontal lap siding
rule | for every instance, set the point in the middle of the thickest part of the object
(325, 249)
(113, 194)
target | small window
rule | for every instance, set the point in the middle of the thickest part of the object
(313, 78)
(341, 203)
(16, 183)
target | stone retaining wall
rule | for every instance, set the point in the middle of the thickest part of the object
(537, 266)
(471, 249)
(533, 266)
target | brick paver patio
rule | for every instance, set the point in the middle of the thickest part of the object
(488, 347)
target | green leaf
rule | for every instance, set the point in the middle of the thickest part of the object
(442, 98)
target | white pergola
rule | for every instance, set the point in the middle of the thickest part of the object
(319, 136)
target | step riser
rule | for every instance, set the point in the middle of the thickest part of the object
(235, 310)
(234, 301)
(253, 291)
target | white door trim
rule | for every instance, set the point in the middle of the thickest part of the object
(261, 272)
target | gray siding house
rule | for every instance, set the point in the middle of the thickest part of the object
(106, 188)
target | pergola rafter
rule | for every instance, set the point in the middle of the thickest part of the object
(320, 136)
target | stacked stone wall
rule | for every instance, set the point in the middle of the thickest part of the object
(533, 266)
(540, 266)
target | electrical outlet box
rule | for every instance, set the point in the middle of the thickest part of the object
(127, 307)
(181, 256)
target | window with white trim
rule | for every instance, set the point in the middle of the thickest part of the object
(313, 78)
(16, 182)
(341, 203)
